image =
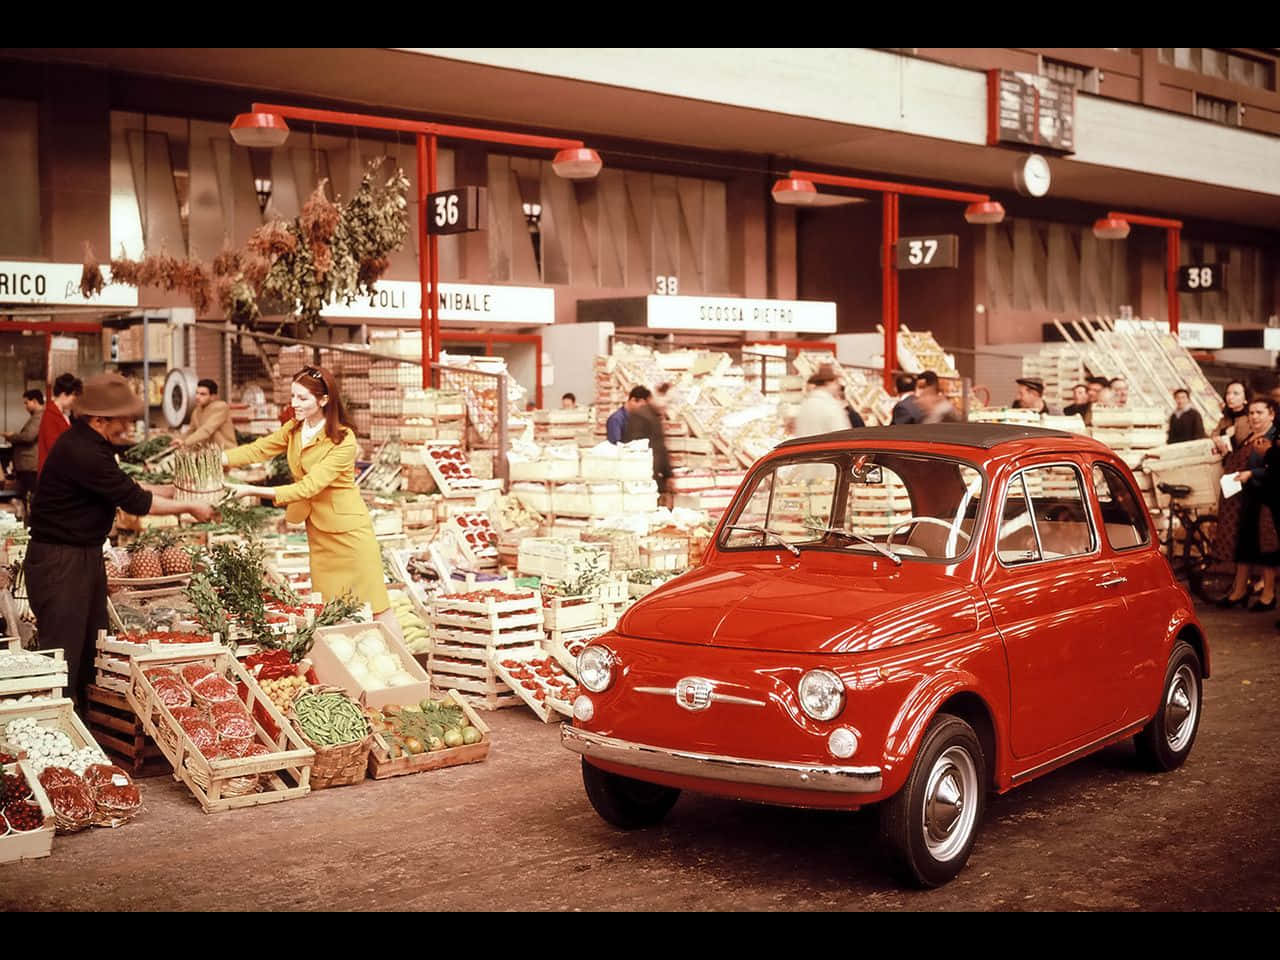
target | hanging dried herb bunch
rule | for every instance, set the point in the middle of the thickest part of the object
(319, 220)
(91, 282)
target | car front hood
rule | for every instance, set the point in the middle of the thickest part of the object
(804, 611)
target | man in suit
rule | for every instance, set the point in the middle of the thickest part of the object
(907, 409)
(644, 422)
(210, 420)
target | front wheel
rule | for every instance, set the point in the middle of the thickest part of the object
(624, 802)
(1165, 742)
(930, 825)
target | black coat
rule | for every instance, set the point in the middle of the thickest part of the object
(1186, 426)
(645, 424)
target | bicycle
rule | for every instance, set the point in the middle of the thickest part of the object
(1207, 578)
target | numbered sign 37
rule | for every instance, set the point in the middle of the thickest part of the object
(1201, 277)
(925, 253)
(460, 210)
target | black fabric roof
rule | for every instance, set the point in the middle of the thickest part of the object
(984, 435)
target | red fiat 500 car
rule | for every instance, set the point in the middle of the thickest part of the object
(909, 616)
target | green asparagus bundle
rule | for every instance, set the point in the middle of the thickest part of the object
(198, 470)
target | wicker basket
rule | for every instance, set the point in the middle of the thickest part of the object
(233, 787)
(339, 766)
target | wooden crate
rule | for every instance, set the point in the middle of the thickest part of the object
(119, 732)
(562, 615)
(550, 707)
(478, 684)
(47, 681)
(55, 714)
(332, 670)
(382, 765)
(562, 644)
(286, 771)
(35, 843)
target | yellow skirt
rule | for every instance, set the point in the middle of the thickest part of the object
(348, 563)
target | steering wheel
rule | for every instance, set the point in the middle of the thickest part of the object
(888, 540)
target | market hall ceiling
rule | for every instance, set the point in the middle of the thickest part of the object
(380, 79)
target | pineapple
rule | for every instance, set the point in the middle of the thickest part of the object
(174, 558)
(113, 570)
(144, 558)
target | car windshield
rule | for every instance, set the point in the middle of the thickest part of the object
(903, 505)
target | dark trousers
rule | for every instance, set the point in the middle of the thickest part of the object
(26, 490)
(67, 590)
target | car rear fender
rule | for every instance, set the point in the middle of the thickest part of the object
(1185, 627)
(917, 712)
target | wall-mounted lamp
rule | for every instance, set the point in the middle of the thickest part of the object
(262, 187)
(532, 214)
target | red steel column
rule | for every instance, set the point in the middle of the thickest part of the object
(424, 266)
(1173, 241)
(889, 289)
(435, 257)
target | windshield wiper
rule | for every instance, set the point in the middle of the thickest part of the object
(766, 532)
(853, 534)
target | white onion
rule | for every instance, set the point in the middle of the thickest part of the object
(384, 665)
(401, 678)
(370, 643)
(343, 648)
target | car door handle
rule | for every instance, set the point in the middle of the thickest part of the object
(1113, 582)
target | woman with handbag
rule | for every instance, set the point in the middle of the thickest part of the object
(1256, 541)
(320, 443)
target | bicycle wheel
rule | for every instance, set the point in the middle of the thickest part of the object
(1210, 579)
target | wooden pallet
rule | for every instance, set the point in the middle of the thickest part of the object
(31, 844)
(382, 765)
(284, 774)
(120, 733)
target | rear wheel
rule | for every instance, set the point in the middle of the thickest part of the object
(930, 825)
(1210, 579)
(1165, 743)
(625, 802)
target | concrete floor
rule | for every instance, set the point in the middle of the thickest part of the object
(516, 833)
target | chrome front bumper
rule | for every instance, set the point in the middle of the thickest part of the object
(792, 776)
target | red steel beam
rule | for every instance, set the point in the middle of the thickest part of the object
(889, 186)
(1147, 221)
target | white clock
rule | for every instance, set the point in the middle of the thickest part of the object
(1031, 175)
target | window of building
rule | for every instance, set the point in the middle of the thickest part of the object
(20, 235)
(621, 230)
(1219, 111)
(1213, 62)
(1080, 77)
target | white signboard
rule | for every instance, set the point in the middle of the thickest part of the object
(1194, 336)
(27, 281)
(733, 313)
(467, 303)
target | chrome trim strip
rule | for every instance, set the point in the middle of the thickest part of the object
(1116, 735)
(1114, 581)
(792, 776)
(715, 697)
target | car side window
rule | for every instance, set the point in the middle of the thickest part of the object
(1045, 516)
(1123, 518)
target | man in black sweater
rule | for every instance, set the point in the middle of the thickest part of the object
(1184, 423)
(645, 423)
(74, 508)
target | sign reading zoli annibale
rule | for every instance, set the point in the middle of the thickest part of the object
(926, 253)
(459, 302)
(733, 313)
(27, 281)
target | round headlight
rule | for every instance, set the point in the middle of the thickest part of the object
(821, 694)
(595, 668)
(583, 709)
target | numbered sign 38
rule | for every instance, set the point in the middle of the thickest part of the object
(456, 211)
(924, 253)
(1201, 277)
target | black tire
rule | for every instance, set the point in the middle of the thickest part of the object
(924, 851)
(1165, 743)
(624, 802)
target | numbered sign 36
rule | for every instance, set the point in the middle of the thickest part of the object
(1201, 277)
(925, 253)
(456, 211)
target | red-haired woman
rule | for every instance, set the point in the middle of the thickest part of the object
(320, 443)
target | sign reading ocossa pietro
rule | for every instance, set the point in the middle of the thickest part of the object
(732, 313)
(26, 281)
(460, 302)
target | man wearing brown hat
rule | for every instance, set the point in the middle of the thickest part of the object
(1031, 396)
(75, 504)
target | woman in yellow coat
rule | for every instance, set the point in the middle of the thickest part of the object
(321, 448)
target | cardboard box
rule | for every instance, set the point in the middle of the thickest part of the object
(329, 669)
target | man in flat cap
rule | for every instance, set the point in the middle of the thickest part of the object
(74, 507)
(1031, 395)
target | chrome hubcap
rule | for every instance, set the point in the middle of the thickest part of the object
(949, 805)
(1181, 708)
